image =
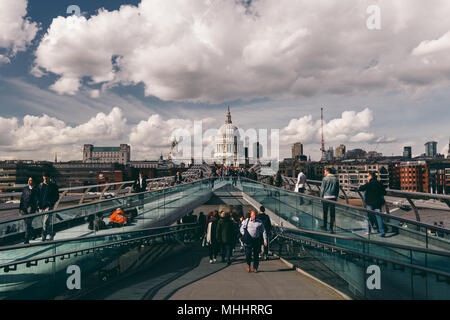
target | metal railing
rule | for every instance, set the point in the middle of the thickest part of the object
(80, 194)
(346, 190)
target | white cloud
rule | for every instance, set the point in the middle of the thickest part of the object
(433, 46)
(153, 136)
(350, 127)
(16, 31)
(43, 134)
(193, 50)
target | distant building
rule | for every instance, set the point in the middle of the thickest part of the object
(229, 147)
(356, 154)
(357, 173)
(329, 154)
(339, 152)
(14, 172)
(297, 150)
(413, 176)
(407, 152)
(93, 154)
(374, 155)
(431, 149)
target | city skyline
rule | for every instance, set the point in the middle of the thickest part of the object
(47, 80)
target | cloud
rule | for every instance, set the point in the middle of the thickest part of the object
(433, 46)
(154, 135)
(16, 31)
(350, 127)
(43, 134)
(212, 51)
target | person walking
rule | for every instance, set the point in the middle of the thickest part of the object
(48, 196)
(253, 232)
(29, 205)
(300, 185)
(268, 227)
(329, 190)
(211, 240)
(374, 199)
(225, 235)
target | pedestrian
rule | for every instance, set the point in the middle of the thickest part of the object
(374, 199)
(329, 190)
(268, 226)
(178, 178)
(202, 225)
(140, 184)
(211, 240)
(226, 236)
(300, 185)
(48, 196)
(29, 205)
(254, 233)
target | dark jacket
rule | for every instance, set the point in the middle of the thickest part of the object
(266, 221)
(137, 185)
(48, 195)
(226, 231)
(375, 191)
(29, 200)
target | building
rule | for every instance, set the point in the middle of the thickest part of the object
(339, 152)
(329, 154)
(93, 154)
(16, 173)
(229, 147)
(297, 150)
(394, 175)
(354, 173)
(374, 155)
(291, 167)
(407, 152)
(413, 176)
(356, 154)
(77, 173)
(431, 149)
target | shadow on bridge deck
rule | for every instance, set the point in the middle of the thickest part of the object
(190, 276)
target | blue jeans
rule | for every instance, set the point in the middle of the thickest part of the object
(378, 218)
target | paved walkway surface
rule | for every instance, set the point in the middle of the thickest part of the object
(190, 276)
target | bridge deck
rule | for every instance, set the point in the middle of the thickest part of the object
(190, 276)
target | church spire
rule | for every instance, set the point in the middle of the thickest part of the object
(228, 119)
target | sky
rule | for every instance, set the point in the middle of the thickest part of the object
(135, 71)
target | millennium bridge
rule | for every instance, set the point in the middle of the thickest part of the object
(155, 257)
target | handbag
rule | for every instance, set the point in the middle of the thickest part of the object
(247, 238)
(296, 188)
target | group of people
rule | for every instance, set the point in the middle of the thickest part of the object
(234, 173)
(374, 192)
(223, 232)
(36, 198)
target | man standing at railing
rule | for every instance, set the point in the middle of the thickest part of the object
(300, 185)
(48, 196)
(374, 199)
(29, 205)
(329, 190)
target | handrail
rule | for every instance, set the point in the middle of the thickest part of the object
(39, 244)
(167, 178)
(97, 202)
(411, 266)
(14, 263)
(384, 244)
(390, 192)
(364, 210)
